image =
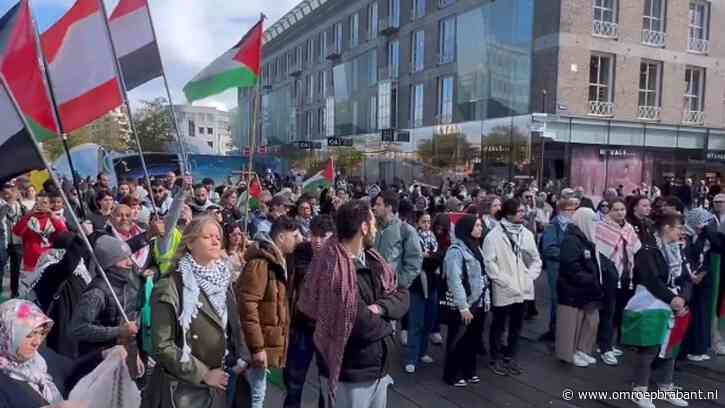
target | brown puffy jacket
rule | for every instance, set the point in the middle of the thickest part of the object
(263, 309)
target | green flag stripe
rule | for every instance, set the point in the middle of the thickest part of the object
(237, 78)
(41, 134)
(645, 328)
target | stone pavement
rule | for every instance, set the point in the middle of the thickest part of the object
(541, 385)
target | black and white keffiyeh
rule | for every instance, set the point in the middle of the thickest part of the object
(213, 280)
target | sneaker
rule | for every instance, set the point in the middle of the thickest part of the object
(719, 349)
(589, 359)
(404, 337)
(427, 359)
(548, 336)
(706, 357)
(671, 398)
(579, 361)
(498, 367)
(617, 352)
(436, 339)
(643, 402)
(460, 383)
(513, 367)
(474, 380)
(609, 358)
(409, 368)
(695, 357)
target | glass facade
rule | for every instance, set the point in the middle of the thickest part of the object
(354, 83)
(278, 117)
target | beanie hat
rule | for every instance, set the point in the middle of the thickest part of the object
(110, 250)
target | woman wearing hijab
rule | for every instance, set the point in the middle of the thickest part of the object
(195, 330)
(32, 376)
(617, 242)
(579, 290)
(463, 267)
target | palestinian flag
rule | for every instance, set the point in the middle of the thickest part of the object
(647, 321)
(237, 68)
(255, 193)
(323, 179)
(717, 308)
(677, 335)
(18, 153)
(20, 65)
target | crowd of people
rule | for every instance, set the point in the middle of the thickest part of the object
(208, 289)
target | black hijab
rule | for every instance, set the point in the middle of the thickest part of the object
(463, 231)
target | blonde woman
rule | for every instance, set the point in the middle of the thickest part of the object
(196, 331)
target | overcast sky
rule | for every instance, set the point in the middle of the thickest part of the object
(192, 33)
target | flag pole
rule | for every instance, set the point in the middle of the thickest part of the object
(184, 157)
(58, 122)
(253, 134)
(132, 124)
(54, 177)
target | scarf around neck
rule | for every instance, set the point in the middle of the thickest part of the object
(141, 256)
(213, 280)
(18, 318)
(614, 241)
(673, 256)
(329, 297)
(511, 228)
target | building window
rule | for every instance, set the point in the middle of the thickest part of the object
(394, 12)
(209, 131)
(311, 51)
(337, 32)
(310, 88)
(354, 30)
(694, 93)
(447, 40)
(373, 112)
(601, 69)
(653, 23)
(698, 27)
(650, 76)
(373, 20)
(210, 144)
(417, 56)
(321, 88)
(394, 58)
(310, 124)
(604, 22)
(445, 100)
(416, 105)
(192, 129)
(418, 10)
(321, 121)
(201, 130)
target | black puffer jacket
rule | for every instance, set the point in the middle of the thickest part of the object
(652, 271)
(369, 349)
(580, 280)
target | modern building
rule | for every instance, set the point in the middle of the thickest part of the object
(633, 89)
(206, 130)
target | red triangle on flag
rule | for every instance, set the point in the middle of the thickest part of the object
(330, 171)
(255, 188)
(250, 49)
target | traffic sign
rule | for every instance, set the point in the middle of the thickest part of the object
(339, 142)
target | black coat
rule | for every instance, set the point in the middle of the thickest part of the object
(369, 349)
(580, 280)
(652, 271)
(65, 372)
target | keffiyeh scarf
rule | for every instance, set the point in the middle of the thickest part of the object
(44, 230)
(18, 318)
(214, 281)
(614, 241)
(141, 256)
(429, 241)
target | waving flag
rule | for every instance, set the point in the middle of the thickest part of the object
(237, 68)
(323, 179)
(81, 65)
(23, 73)
(18, 154)
(647, 321)
(135, 42)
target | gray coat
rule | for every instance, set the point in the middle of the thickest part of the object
(458, 253)
(399, 243)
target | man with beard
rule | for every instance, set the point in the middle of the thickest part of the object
(301, 348)
(353, 297)
(97, 323)
(161, 196)
(103, 183)
(200, 203)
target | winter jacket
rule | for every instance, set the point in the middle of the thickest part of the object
(551, 241)
(261, 292)
(652, 271)
(371, 345)
(213, 346)
(457, 254)
(399, 243)
(512, 275)
(96, 320)
(64, 371)
(580, 281)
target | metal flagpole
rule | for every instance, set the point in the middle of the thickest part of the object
(58, 122)
(253, 136)
(119, 73)
(54, 177)
(184, 158)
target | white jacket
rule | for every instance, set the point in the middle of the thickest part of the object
(512, 276)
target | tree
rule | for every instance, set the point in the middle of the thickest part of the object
(446, 150)
(110, 132)
(153, 126)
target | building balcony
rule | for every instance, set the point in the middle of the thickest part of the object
(606, 29)
(333, 51)
(653, 38)
(649, 113)
(389, 25)
(690, 117)
(601, 108)
(698, 45)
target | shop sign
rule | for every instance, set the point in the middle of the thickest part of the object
(496, 148)
(716, 156)
(615, 153)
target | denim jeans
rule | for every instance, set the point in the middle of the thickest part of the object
(299, 357)
(420, 322)
(552, 275)
(257, 378)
